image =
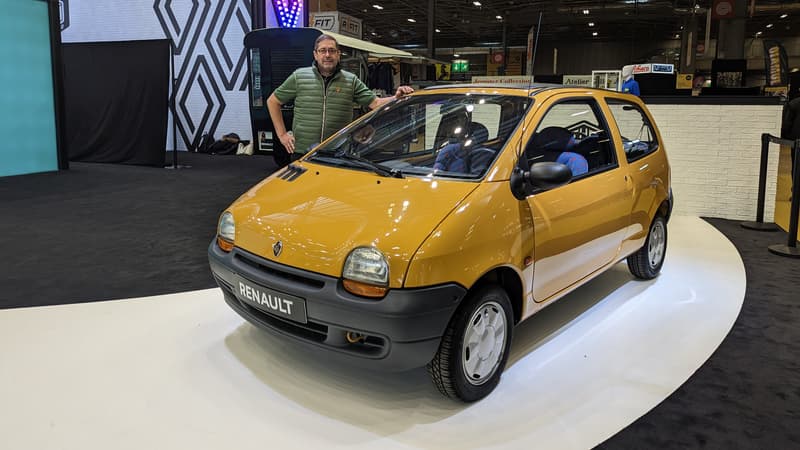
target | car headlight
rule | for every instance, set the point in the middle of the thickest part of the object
(226, 232)
(366, 272)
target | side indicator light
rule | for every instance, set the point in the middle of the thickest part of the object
(224, 244)
(364, 290)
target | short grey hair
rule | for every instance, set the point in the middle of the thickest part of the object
(325, 37)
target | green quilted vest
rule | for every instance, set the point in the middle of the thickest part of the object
(319, 113)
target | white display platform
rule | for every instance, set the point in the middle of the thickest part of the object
(184, 371)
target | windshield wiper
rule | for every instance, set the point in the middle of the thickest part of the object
(367, 164)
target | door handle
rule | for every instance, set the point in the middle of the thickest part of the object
(644, 167)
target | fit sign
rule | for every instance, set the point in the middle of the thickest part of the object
(337, 22)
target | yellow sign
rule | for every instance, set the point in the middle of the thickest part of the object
(443, 72)
(684, 81)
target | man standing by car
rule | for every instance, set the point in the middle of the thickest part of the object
(323, 96)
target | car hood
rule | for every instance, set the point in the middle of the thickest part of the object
(320, 214)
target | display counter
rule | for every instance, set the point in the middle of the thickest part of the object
(714, 149)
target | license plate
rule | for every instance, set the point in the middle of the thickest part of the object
(271, 301)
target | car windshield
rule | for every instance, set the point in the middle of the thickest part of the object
(448, 135)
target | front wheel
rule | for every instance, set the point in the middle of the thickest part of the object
(474, 348)
(647, 261)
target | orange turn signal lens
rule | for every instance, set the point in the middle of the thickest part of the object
(363, 289)
(224, 244)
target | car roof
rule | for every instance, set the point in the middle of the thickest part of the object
(517, 89)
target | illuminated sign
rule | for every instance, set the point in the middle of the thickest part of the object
(288, 12)
(663, 68)
(459, 66)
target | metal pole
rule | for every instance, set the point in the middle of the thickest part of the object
(173, 108)
(431, 29)
(759, 224)
(57, 64)
(762, 178)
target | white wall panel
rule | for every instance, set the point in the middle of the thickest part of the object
(715, 154)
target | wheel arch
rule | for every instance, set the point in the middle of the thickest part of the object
(665, 208)
(508, 280)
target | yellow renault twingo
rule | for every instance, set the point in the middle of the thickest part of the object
(423, 232)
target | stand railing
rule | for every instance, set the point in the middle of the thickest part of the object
(759, 224)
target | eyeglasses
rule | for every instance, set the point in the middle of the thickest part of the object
(327, 51)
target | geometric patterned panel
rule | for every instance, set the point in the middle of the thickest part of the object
(209, 54)
(229, 24)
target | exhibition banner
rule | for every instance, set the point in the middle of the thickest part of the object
(776, 63)
(507, 80)
(577, 80)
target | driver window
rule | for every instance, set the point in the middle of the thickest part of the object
(572, 133)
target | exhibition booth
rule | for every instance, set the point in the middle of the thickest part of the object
(176, 367)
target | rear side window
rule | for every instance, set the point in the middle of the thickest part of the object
(638, 137)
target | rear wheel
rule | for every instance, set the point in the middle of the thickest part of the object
(474, 348)
(647, 261)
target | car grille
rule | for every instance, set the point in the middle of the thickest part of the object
(252, 262)
(311, 331)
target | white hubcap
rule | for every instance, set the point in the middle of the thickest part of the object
(484, 342)
(657, 244)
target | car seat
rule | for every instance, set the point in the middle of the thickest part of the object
(575, 162)
(589, 148)
(467, 156)
(548, 144)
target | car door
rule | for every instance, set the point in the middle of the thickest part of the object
(638, 140)
(578, 227)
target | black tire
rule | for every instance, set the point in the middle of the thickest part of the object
(647, 261)
(449, 367)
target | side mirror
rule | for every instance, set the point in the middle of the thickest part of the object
(549, 175)
(542, 176)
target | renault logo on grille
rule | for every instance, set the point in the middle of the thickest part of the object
(277, 248)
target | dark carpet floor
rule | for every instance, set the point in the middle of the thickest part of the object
(101, 231)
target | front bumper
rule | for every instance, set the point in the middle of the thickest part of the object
(402, 330)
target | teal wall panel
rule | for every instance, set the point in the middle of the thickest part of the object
(27, 117)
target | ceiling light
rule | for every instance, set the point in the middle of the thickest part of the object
(411, 20)
(438, 30)
(784, 15)
(456, 55)
(498, 17)
(769, 25)
(759, 33)
(373, 33)
(594, 33)
(677, 36)
(585, 12)
(476, 3)
(377, 6)
(591, 24)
